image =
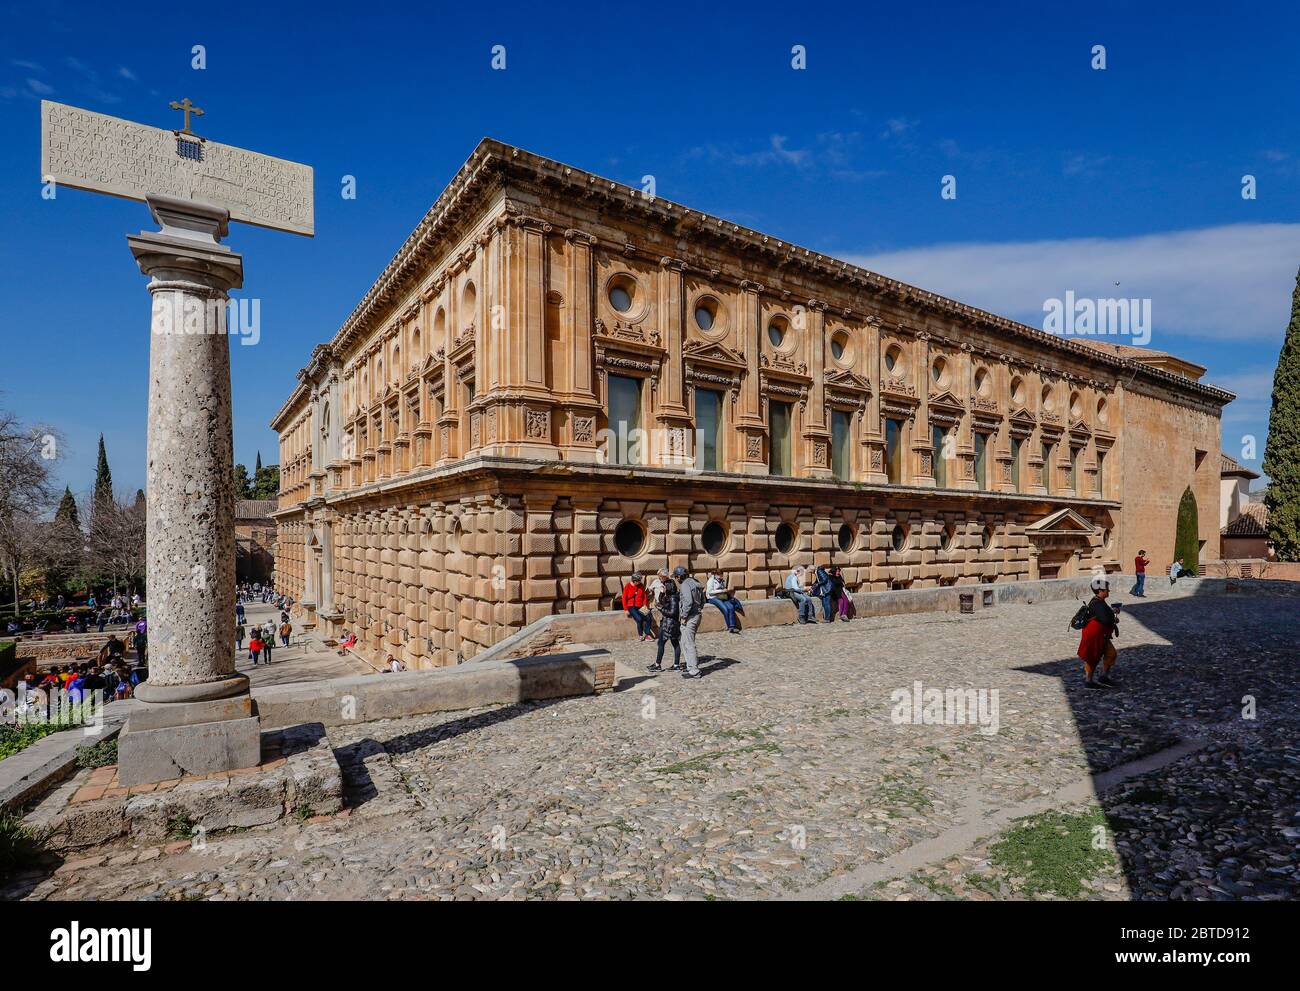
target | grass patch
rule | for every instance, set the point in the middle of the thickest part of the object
(620, 824)
(181, 826)
(18, 736)
(102, 754)
(1053, 852)
(702, 762)
(899, 791)
(934, 885)
(744, 734)
(304, 812)
(19, 844)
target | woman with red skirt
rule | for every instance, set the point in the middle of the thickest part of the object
(1095, 645)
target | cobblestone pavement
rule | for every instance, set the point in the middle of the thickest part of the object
(781, 774)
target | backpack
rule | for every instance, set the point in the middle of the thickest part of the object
(1081, 618)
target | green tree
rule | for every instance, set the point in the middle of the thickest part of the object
(258, 467)
(64, 546)
(103, 477)
(1187, 542)
(243, 484)
(1282, 453)
(66, 514)
(267, 483)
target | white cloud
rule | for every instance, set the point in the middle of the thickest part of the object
(40, 88)
(1232, 282)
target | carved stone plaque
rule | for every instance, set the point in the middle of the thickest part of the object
(86, 150)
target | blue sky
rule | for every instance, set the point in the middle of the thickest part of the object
(1068, 178)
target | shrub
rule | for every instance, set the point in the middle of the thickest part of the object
(19, 844)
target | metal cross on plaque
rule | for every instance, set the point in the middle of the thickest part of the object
(102, 154)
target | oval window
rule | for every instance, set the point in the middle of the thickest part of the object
(776, 331)
(620, 298)
(839, 346)
(949, 535)
(629, 538)
(785, 538)
(937, 370)
(714, 538)
(894, 360)
(705, 314)
(899, 537)
(986, 537)
(845, 537)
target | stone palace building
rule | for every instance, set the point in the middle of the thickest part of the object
(558, 380)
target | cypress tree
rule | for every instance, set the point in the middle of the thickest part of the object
(258, 466)
(103, 477)
(66, 515)
(1282, 453)
(1187, 544)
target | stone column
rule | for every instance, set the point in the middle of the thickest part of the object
(199, 716)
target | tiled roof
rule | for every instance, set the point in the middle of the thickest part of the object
(254, 509)
(1229, 466)
(1253, 522)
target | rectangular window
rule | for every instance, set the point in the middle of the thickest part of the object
(708, 429)
(1075, 480)
(1015, 463)
(841, 448)
(937, 435)
(982, 461)
(1048, 451)
(894, 450)
(778, 421)
(623, 446)
(1101, 474)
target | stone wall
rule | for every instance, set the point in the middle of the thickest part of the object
(435, 580)
(1167, 446)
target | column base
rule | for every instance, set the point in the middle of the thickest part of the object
(164, 741)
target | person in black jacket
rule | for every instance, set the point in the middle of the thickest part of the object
(670, 627)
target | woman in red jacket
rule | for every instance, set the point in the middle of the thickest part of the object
(634, 601)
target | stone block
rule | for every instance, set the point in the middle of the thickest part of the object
(147, 755)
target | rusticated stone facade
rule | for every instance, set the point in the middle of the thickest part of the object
(558, 380)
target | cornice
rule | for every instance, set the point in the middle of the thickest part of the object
(494, 163)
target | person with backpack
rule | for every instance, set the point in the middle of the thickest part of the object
(1099, 625)
(286, 631)
(670, 628)
(691, 604)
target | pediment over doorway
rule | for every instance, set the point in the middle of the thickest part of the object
(1063, 522)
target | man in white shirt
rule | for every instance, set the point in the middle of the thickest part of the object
(802, 601)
